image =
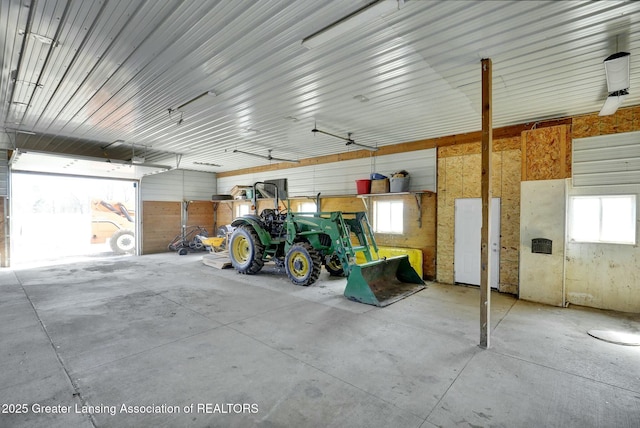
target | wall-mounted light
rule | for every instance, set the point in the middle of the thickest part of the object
(612, 103)
(617, 70)
(351, 22)
(616, 67)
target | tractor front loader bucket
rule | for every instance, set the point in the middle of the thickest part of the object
(382, 282)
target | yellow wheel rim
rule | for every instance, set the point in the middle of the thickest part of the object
(241, 249)
(334, 264)
(298, 265)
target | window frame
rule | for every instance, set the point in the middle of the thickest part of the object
(391, 230)
(302, 204)
(240, 208)
(571, 233)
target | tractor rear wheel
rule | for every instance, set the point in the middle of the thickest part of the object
(246, 250)
(303, 264)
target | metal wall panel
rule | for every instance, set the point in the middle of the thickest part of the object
(4, 174)
(118, 68)
(198, 186)
(338, 178)
(178, 185)
(606, 160)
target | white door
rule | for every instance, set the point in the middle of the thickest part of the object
(467, 237)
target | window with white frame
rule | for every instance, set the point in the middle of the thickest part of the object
(242, 209)
(307, 207)
(603, 219)
(388, 216)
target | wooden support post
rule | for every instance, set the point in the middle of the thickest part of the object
(487, 143)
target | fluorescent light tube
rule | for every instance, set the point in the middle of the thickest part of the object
(351, 22)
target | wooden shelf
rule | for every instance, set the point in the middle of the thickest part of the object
(369, 195)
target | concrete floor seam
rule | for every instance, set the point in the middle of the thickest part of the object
(77, 393)
(444, 394)
(506, 314)
(563, 371)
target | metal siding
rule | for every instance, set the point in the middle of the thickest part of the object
(338, 178)
(178, 185)
(4, 174)
(121, 65)
(199, 185)
(166, 186)
(606, 160)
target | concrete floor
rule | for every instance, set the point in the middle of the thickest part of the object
(168, 331)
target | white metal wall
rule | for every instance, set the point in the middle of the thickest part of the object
(4, 174)
(178, 185)
(339, 178)
(606, 160)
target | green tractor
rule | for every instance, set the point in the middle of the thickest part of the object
(303, 242)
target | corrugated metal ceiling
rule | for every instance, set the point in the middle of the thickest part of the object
(114, 69)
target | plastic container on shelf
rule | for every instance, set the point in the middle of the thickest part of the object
(363, 187)
(399, 184)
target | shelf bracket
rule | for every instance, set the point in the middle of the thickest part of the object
(418, 197)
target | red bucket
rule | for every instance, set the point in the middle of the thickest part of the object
(363, 187)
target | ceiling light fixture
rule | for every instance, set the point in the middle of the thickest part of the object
(113, 145)
(206, 164)
(351, 22)
(349, 140)
(617, 70)
(267, 157)
(361, 98)
(18, 131)
(45, 40)
(192, 100)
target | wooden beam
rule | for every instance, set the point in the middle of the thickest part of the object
(487, 143)
(449, 140)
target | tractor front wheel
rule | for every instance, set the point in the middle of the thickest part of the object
(303, 264)
(334, 266)
(246, 250)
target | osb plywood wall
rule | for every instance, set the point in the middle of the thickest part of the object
(160, 224)
(590, 125)
(419, 221)
(459, 177)
(546, 153)
(419, 230)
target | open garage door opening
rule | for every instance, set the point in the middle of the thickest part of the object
(61, 218)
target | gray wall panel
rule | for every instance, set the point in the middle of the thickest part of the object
(606, 160)
(4, 174)
(339, 178)
(178, 185)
